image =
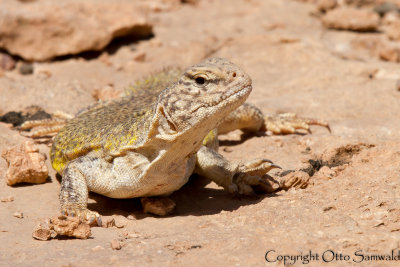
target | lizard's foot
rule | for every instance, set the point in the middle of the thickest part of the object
(158, 206)
(289, 123)
(250, 174)
(85, 214)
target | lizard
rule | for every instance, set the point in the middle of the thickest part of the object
(148, 143)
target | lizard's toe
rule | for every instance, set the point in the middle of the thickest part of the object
(289, 123)
(250, 176)
(257, 167)
(85, 214)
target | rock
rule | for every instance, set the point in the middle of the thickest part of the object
(351, 19)
(26, 69)
(392, 30)
(131, 217)
(325, 173)
(385, 8)
(6, 62)
(70, 226)
(18, 215)
(7, 199)
(107, 222)
(325, 5)
(140, 57)
(97, 248)
(390, 53)
(328, 208)
(42, 231)
(28, 114)
(46, 29)
(132, 235)
(163, 5)
(108, 92)
(25, 164)
(120, 221)
(115, 244)
(296, 179)
(157, 206)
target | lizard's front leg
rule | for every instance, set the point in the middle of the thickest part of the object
(235, 177)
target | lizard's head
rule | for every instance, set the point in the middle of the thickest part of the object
(204, 95)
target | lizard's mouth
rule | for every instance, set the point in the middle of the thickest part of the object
(225, 99)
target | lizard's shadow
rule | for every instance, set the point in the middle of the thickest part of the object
(194, 199)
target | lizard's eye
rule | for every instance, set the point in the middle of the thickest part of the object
(200, 80)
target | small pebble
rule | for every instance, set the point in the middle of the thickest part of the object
(7, 199)
(328, 208)
(18, 214)
(26, 68)
(115, 244)
(120, 221)
(107, 222)
(97, 248)
(42, 233)
(141, 57)
(227, 149)
(132, 235)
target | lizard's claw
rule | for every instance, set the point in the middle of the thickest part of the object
(85, 214)
(250, 174)
(289, 123)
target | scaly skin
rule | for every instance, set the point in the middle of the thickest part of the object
(149, 143)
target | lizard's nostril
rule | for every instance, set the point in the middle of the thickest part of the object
(234, 75)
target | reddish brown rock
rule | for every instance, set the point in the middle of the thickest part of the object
(392, 30)
(325, 5)
(25, 164)
(42, 231)
(325, 173)
(115, 244)
(63, 226)
(158, 206)
(351, 19)
(45, 29)
(120, 221)
(296, 179)
(6, 62)
(70, 226)
(107, 222)
(390, 53)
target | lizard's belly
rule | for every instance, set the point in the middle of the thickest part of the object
(142, 178)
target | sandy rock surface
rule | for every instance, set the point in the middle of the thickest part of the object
(344, 188)
(351, 19)
(41, 30)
